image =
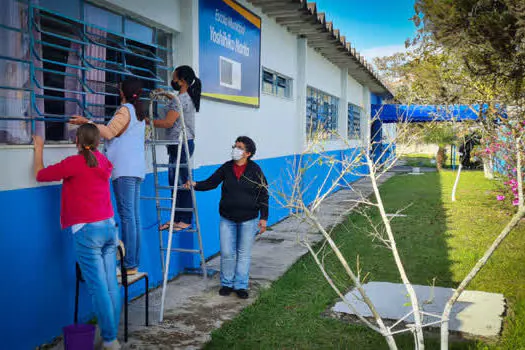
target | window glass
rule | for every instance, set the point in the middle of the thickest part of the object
(70, 8)
(138, 32)
(102, 18)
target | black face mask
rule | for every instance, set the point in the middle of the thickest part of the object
(175, 85)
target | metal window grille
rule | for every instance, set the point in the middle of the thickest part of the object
(63, 65)
(354, 121)
(321, 112)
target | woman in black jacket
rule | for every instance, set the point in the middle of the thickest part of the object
(243, 208)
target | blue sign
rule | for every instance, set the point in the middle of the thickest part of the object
(229, 52)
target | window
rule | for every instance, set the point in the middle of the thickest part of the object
(354, 121)
(321, 112)
(64, 64)
(276, 84)
(230, 73)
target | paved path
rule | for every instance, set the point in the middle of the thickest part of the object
(194, 309)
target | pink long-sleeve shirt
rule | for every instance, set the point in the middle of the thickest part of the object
(85, 191)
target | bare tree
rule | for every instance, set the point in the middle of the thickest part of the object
(372, 161)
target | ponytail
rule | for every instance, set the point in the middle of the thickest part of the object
(132, 90)
(139, 111)
(90, 158)
(88, 139)
(194, 90)
(187, 74)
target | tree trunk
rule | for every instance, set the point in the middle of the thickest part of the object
(488, 168)
(454, 189)
(440, 158)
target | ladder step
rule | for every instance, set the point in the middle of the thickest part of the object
(183, 210)
(181, 250)
(172, 166)
(162, 142)
(192, 230)
(180, 188)
(156, 198)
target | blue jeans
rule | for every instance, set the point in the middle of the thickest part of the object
(236, 252)
(127, 194)
(184, 199)
(95, 246)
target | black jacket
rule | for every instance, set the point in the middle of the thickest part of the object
(243, 199)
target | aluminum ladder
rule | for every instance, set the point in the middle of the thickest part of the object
(164, 97)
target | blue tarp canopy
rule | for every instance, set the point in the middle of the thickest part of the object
(424, 113)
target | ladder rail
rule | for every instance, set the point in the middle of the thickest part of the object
(153, 146)
(170, 231)
(182, 142)
(195, 207)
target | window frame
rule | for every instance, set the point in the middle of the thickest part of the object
(78, 37)
(288, 94)
(324, 106)
(353, 111)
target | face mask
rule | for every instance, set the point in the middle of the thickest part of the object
(237, 153)
(175, 85)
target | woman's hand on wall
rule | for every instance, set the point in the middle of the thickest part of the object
(262, 226)
(38, 144)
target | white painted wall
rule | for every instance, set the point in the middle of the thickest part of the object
(19, 160)
(322, 74)
(367, 115)
(355, 92)
(163, 13)
(277, 126)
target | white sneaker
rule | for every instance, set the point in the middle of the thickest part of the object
(114, 345)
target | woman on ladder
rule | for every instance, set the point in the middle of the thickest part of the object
(189, 86)
(125, 149)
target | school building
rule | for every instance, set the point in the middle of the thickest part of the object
(271, 70)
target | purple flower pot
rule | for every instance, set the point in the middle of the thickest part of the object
(79, 337)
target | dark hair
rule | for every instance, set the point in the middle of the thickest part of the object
(248, 143)
(88, 139)
(187, 74)
(132, 89)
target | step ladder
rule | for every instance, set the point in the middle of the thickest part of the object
(165, 97)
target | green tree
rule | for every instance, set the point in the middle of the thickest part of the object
(442, 134)
(488, 36)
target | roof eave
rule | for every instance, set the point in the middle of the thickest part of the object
(302, 19)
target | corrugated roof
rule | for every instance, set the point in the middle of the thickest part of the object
(301, 18)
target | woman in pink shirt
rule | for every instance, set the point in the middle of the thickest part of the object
(86, 209)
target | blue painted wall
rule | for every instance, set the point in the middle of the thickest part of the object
(381, 152)
(37, 298)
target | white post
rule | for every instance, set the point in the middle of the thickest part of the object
(300, 89)
(343, 105)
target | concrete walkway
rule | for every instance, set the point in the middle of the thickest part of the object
(194, 309)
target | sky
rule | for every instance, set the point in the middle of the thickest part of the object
(374, 27)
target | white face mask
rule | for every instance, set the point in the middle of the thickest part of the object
(237, 153)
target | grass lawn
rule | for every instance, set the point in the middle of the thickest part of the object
(438, 239)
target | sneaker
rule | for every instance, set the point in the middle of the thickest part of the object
(225, 291)
(242, 293)
(114, 345)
